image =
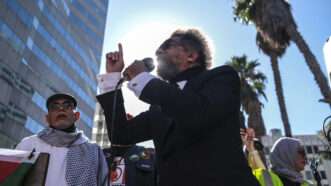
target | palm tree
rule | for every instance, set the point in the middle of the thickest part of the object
(274, 53)
(275, 26)
(252, 87)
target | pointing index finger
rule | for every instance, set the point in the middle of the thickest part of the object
(120, 50)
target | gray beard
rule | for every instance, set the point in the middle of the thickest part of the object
(167, 71)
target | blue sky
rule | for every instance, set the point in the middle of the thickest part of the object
(142, 25)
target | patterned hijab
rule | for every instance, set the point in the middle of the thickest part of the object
(282, 158)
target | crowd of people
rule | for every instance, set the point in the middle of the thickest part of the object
(193, 121)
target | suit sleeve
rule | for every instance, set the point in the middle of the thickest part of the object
(197, 108)
(126, 131)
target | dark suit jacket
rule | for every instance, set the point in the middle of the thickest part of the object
(195, 130)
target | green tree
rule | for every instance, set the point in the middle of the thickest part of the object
(276, 27)
(252, 88)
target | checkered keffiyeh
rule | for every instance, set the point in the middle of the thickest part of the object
(86, 164)
(81, 165)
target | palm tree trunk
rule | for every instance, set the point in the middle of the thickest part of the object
(255, 119)
(280, 95)
(311, 61)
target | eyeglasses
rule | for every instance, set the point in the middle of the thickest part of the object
(66, 105)
(170, 43)
(302, 152)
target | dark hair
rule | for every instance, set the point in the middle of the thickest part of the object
(193, 39)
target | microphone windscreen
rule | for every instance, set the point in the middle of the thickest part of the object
(149, 63)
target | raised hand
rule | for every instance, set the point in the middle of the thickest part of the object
(247, 137)
(114, 60)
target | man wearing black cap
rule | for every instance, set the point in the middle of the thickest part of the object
(73, 160)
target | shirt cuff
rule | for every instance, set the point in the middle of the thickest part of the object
(138, 83)
(107, 82)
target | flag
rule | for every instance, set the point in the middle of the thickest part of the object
(15, 165)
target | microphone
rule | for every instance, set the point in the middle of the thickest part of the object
(149, 64)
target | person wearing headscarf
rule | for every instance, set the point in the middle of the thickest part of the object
(254, 150)
(287, 160)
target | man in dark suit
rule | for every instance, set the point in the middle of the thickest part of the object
(194, 115)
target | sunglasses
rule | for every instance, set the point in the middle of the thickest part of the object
(66, 105)
(170, 43)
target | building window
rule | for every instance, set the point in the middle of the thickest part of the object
(11, 37)
(82, 26)
(91, 18)
(62, 52)
(315, 149)
(69, 38)
(20, 12)
(39, 101)
(7, 75)
(26, 18)
(33, 126)
(60, 73)
(15, 80)
(309, 149)
(15, 113)
(3, 112)
(323, 175)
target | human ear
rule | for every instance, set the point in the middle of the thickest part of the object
(192, 57)
(77, 115)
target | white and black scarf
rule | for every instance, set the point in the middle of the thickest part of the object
(86, 164)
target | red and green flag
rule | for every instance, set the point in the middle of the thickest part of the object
(15, 165)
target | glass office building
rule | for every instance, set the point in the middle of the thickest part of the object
(47, 46)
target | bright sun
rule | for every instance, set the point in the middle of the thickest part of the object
(144, 39)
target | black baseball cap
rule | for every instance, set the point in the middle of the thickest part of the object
(61, 96)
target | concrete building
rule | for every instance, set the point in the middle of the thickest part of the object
(47, 46)
(313, 145)
(99, 132)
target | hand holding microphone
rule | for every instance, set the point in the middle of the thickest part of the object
(137, 67)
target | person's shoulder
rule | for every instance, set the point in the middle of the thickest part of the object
(219, 73)
(223, 69)
(94, 145)
(26, 142)
(30, 138)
